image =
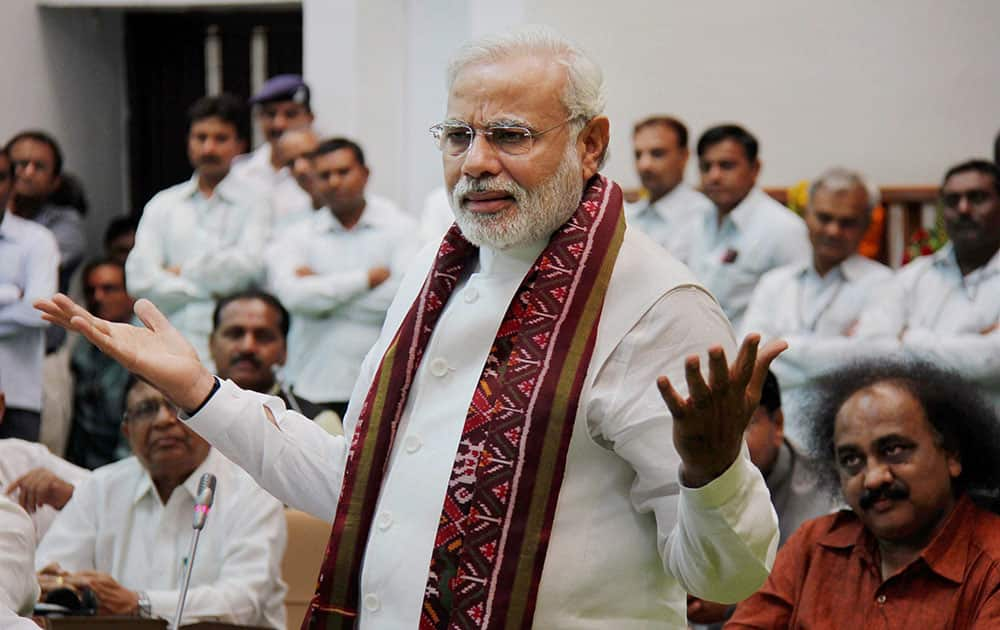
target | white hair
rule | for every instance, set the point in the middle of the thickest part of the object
(584, 93)
(839, 179)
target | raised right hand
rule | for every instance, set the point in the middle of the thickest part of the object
(158, 353)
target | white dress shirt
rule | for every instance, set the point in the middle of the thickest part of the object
(940, 315)
(668, 218)
(218, 242)
(813, 314)
(116, 524)
(628, 540)
(18, 584)
(756, 236)
(29, 263)
(336, 317)
(18, 457)
(289, 203)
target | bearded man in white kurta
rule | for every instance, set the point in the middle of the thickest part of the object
(587, 494)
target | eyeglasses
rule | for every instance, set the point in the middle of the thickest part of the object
(148, 410)
(455, 137)
(975, 197)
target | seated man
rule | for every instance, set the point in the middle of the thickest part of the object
(125, 532)
(908, 445)
(18, 589)
(249, 344)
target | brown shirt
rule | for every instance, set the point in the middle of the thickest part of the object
(827, 576)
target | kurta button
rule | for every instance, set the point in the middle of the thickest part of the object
(470, 295)
(384, 521)
(439, 367)
(371, 602)
(880, 599)
(413, 443)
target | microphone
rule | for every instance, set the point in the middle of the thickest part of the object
(202, 504)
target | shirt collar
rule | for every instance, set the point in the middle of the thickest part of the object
(742, 215)
(517, 259)
(373, 215)
(662, 205)
(190, 188)
(190, 485)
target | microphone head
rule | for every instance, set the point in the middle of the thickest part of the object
(203, 502)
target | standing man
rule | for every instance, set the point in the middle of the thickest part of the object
(945, 308)
(29, 259)
(815, 304)
(661, 155)
(282, 104)
(749, 233)
(95, 437)
(506, 425)
(337, 274)
(295, 149)
(202, 238)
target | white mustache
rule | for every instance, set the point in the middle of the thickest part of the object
(467, 185)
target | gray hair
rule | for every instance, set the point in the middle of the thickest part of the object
(841, 179)
(584, 94)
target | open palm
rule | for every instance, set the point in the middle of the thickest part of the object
(157, 353)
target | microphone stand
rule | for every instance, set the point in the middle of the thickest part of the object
(206, 495)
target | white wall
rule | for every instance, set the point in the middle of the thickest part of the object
(63, 72)
(899, 88)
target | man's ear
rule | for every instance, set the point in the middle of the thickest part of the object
(954, 465)
(125, 429)
(592, 144)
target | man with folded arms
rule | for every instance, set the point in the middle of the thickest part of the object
(510, 458)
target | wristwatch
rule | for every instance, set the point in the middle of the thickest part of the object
(145, 608)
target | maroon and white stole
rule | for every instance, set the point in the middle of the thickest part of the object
(495, 524)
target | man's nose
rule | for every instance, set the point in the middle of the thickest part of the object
(166, 415)
(877, 475)
(481, 158)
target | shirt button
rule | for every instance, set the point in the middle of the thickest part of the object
(412, 443)
(470, 295)
(439, 367)
(371, 602)
(384, 521)
(880, 599)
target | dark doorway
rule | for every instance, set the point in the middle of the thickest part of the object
(165, 66)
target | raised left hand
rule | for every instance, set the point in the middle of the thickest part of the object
(709, 423)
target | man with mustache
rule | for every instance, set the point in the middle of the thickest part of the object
(749, 233)
(201, 239)
(511, 457)
(126, 531)
(815, 304)
(912, 449)
(945, 308)
(337, 273)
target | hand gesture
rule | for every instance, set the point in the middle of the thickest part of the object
(40, 487)
(709, 423)
(157, 353)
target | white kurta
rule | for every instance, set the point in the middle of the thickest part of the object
(116, 524)
(667, 220)
(813, 314)
(758, 235)
(627, 541)
(18, 585)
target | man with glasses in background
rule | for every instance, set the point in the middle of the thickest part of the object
(945, 308)
(126, 529)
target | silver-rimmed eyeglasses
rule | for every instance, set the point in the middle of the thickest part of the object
(454, 137)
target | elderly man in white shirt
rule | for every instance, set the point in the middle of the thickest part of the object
(749, 233)
(18, 586)
(203, 238)
(661, 155)
(126, 531)
(945, 308)
(29, 264)
(815, 304)
(615, 494)
(337, 273)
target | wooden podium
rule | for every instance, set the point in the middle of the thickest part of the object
(131, 623)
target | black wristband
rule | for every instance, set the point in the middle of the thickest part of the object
(215, 387)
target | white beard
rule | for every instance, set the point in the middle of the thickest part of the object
(536, 213)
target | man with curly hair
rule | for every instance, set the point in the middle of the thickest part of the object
(910, 447)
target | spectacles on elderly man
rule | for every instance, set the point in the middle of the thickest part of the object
(454, 137)
(148, 410)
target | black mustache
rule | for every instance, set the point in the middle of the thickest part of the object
(252, 358)
(894, 490)
(210, 159)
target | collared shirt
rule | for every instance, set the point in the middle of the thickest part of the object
(758, 235)
(217, 242)
(98, 404)
(667, 219)
(940, 315)
(29, 259)
(116, 524)
(18, 457)
(289, 203)
(336, 317)
(436, 216)
(795, 491)
(628, 540)
(18, 584)
(813, 314)
(829, 576)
